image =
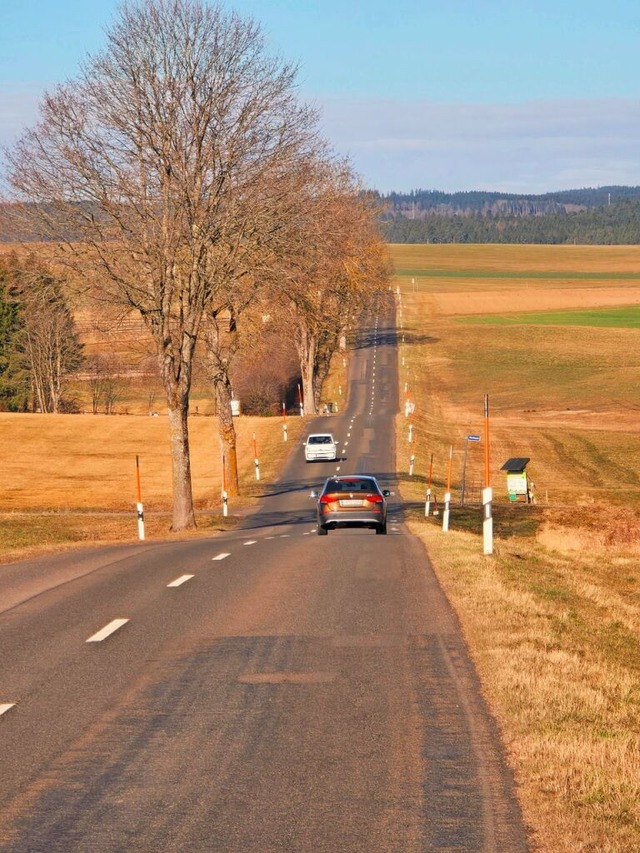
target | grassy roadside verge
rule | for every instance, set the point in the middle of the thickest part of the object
(555, 643)
(552, 619)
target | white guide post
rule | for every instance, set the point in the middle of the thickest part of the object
(487, 492)
(139, 507)
(140, 510)
(447, 510)
(487, 521)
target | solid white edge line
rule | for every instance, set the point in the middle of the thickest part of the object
(107, 630)
(6, 706)
(220, 557)
(179, 581)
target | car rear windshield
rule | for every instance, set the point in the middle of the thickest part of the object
(320, 439)
(351, 486)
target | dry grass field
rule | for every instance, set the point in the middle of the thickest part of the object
(68, 479)
(553, 617)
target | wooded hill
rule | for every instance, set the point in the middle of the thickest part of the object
(605, 215)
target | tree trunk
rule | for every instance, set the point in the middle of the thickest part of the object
(183, 515)
(306, 346)
(227, 433)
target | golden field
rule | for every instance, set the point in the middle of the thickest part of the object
(553, 616)
(72, 478)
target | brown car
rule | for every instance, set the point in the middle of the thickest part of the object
(354, 500)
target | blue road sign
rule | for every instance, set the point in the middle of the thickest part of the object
(473, 438)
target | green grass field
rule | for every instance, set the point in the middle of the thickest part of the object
(616, 318)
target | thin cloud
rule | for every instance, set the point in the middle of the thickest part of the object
(18, 109)
(531, 147)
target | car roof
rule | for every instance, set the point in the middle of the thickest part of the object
(350, 478)
(353, 477)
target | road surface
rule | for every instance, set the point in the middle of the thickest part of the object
(264, 690)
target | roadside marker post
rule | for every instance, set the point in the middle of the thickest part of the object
(284, 421)
(411, 461)
(487, 492)
(427, 505)
(447, 497)
(139, 507)
(300, 403)
(255, 457)
(225, 502)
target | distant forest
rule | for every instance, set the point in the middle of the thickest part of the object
(606, 215)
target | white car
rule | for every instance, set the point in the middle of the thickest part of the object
(320, 446)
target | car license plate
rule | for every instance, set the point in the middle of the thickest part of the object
(351, 503)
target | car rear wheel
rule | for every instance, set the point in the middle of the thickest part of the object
(382, 529)
(322, 531)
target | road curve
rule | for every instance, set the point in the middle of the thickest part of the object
(266, 690)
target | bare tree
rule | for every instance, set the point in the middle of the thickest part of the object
(96, 382)
(234, 319)
(106, 382)
(146, 173)
(335, 262)
(224, 338)
(47, 338)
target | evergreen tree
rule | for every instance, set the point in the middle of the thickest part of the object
(14, 379)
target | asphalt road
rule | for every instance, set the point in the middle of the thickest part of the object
(270, 689)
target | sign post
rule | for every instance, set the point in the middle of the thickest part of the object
(464, 466)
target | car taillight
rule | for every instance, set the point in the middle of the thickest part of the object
(374, 499)
(327, 499)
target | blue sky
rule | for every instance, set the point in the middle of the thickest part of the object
(510, 95)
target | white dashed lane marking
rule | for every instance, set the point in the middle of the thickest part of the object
(179, 581)
(6, 706)
(219, 557)
(107, 630)
(250, 542)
